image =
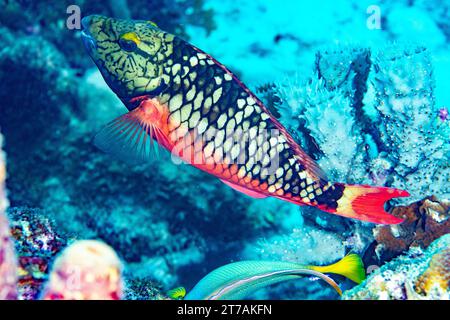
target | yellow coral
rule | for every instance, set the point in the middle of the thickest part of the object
(437, 274)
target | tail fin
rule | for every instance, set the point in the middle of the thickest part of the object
(351, 267)
(177, 293)
(367, 203)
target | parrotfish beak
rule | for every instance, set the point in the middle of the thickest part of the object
(88, 39)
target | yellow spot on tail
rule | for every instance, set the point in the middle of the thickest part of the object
(131, 36)
(345, 202)
(351, 267)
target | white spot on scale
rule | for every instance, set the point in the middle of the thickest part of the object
(218, 139)
(192, 76)
(186, 112)
(209, 149)
(251, 101)
(248, 111)
(176, 68)
(279, 172)
(202, 126)
(198, 100)
(194, 119)
(227, 145)
(241, 103)
(193, 61)
(218, 80)
(228, 77)
(238, 117)
(252, 148)
(217, 94)
(175, 102)
(252, 132)
(207, 103)
(221, 121)
(235, 150)
(191, 93)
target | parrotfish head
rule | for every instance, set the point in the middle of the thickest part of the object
(129, 53)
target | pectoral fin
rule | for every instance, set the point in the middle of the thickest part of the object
(130, 138)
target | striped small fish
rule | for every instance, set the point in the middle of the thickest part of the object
(196, 108)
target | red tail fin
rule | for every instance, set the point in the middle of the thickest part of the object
(367, 203)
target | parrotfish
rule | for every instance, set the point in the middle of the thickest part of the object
(238, 280)
(192, 105)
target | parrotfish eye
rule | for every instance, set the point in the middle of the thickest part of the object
(127, 45)
(129, 41)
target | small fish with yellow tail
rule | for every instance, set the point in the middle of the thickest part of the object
(238, 280)
(192, 105)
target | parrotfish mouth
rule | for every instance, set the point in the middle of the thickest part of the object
(88, 40)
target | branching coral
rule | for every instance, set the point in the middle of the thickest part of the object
(371, 120)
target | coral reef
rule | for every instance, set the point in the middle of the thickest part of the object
(418, 274)
(37, 244)
(376, 127)
(8, 262)
(425, 221)
(143, 289)
(368, 114)
(403, 82)
(305, 246)
(436, 278)
(86, 270)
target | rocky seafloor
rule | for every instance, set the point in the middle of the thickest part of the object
(369, 105)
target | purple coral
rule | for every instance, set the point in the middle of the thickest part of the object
(443, 114)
